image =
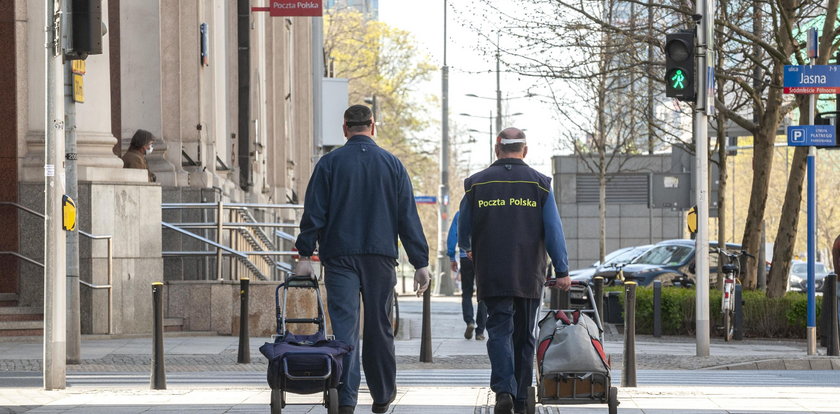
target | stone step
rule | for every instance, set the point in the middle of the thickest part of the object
(173, 324)
(21, 328)
(21, 313)
(8, 299)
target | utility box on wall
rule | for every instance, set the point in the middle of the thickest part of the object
(334, 103)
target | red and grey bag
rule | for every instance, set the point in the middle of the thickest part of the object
(570, 345)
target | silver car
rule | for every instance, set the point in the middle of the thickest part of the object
(798, 279)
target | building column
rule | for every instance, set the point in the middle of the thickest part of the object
(96, 160)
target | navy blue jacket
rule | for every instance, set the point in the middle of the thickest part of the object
(509, 220)
(358, 201)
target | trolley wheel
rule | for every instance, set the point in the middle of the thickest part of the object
(728, 325)
(531, 408)
(612, 400)
(277, 402)
(332, 401)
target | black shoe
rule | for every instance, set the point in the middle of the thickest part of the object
(519, 407)
(480, 336)
(468, 333)
(383, 407)
(346, 409)
(504, 403)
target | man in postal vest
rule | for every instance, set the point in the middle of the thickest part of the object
(508, 221)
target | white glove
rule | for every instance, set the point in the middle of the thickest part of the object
(304, 268)
(421, 280)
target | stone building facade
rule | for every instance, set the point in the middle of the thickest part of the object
(234, 124)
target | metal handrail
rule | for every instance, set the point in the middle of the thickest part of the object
(22, 257)
(21, 207)
(203, 239)
(234, 225)
(176, 206)
(107, 237)
(239, 253)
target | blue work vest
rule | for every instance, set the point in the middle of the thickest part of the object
(508, 238)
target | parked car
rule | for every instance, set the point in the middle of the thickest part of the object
(669, 261)
(798, 277)
(620, 256)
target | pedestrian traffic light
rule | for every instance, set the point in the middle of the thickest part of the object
(679, 66)
(85, 28)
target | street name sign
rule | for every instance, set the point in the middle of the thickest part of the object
(425, 199)
(812, 79)
(811, 135)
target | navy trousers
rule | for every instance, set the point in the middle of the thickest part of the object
(372, 278)
(511, 345)
(467, 289)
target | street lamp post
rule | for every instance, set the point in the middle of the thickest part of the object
(490, 119)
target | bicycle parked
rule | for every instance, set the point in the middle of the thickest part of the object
(731, 274)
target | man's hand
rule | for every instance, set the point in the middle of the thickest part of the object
(454, 265)
(304, 268)
(421, 280)
(469, 254)
(561, 283)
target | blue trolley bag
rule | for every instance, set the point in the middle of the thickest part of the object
(303, 364)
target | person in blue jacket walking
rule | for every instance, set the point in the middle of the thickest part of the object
(358, 202)
(467, 285)
(509, 221)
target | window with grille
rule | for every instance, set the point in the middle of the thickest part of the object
(621, 188)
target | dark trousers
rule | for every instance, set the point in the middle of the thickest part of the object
(511, 344)
(373, 277)
(467, 289)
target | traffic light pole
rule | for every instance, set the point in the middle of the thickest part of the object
(55, 281)
(705, 55)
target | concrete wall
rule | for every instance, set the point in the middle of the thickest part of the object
(627, 224)
(130, 213)
(215, 306)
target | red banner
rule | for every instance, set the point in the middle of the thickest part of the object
(812, 90)
(296, 8)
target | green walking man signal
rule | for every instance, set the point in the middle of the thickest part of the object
(678, 80)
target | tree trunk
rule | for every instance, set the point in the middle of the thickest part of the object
(788, 226)
(762, 166)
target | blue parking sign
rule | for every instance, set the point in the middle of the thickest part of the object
(811, 135)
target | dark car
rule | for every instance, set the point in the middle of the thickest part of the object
(620, 256)
(671, 262)
(798, 279)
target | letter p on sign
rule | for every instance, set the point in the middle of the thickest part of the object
(797, 135)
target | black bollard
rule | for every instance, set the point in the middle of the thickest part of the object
(244, 356)
(599, 296)
(158, 380)
(657, 308)
(739, 313)
(830, 295)
(628, 373)
(426, 334)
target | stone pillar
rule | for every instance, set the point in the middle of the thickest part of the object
(145, 72)
(96, 160)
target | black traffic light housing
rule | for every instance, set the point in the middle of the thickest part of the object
(680, 72)
(85, 29)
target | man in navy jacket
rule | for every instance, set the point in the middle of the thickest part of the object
(358, 201)
(508, 221)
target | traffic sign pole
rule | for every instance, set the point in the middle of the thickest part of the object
(813, 48)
